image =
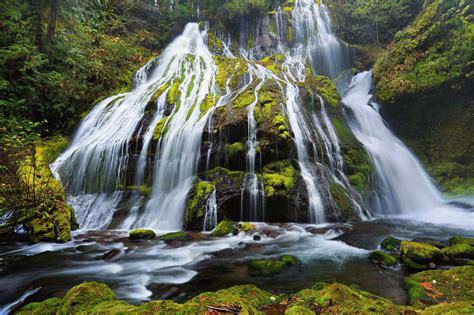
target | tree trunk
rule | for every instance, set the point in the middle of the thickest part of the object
(53, 14)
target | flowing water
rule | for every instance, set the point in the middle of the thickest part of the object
(405, 189)
(120, 134)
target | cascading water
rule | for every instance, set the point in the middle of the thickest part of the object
(405, 188)
(94, 166)
(327, 54)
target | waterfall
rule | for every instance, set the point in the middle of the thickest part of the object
(404, 187)
(327, 54)
(210, 217)
(94, 167)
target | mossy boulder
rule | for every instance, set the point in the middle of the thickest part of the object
(141, 234)
(460, 247)
(50, 219)
(79, 299)
(441, 286)
(382, 258)
(419, 256)
(289, 260)
(196, 205)
(246, 227)
(175, 236)
(225, 227)
(390, 243)
(266, 267)
(270, 267)
(337, 298)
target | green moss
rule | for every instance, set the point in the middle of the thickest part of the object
(441, 286)
(434, 50)
(454, 308)
(159, 130)
(382, 257)
(47, 307)
(461, 250)
(298, 310)
(142, 189)
(279, 179)
(323, 86)
(289, 260)
(51, 219)
(246, 227)
(455, 240)
(196, 205)
(231, 150)
(224, 228)
(390, 243)
(418, 255)
(340, 299)
(141, 234)
(175, 236)
(266, 267)
(244, 99)
(84, 297)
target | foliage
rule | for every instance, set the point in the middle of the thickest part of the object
(372, 21)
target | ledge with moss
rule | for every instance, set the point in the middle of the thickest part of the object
(425, 82)
(47, 217)
(453, 292)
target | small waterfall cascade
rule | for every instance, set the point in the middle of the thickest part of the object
(94, 167)
(405, 188)
(313, 26)
(301, 133)
(210, 217)
(143, 150)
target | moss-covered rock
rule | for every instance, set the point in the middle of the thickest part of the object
(141, 234)
(441, 286)
(266, 267)
(246, 227)
(323, 298)
(337, 298)
(419, 256)
(175, 236)
(460, 247)
(425, 81)
(289, 260)
(382, 258)
(225, 227)
(47, 217)
(196, 205)
(390, 243)
(80, 299)
(270, 267)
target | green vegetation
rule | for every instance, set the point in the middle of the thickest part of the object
(390, 243)
(436, 49)
(225, 227)
(196, 206)
(141, 234)
(372, 21)
(383, 258)
(431, 292)
(425, 80)
(233, 149)
(419, 256)
(278, 179)
(441, 286)
(272, 267)
(34, 199)
(175, 236)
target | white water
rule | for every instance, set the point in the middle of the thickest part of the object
(312, 22)
(96, 162)
(405, 188)
(210, 217)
